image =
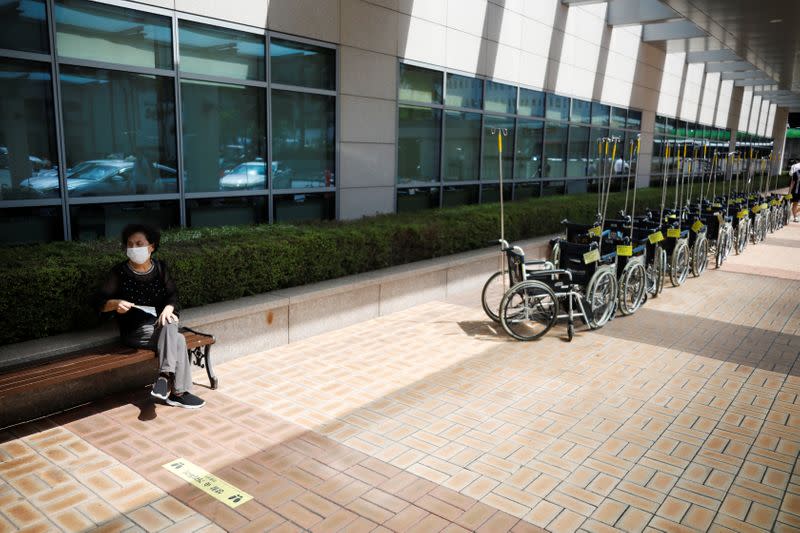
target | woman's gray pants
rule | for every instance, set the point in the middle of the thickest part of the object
(170, 345)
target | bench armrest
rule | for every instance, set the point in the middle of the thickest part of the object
(190, 330)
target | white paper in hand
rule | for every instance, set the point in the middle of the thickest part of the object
(147, 309)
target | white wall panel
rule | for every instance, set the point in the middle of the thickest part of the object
(708, 105)
(723, 103)
(690, 103)
(744, 113)
(671, 81)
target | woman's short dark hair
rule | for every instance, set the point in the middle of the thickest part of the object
(152, 234)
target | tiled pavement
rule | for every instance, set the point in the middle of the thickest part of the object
(684, 416)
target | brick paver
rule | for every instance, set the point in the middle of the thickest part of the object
(682, 417)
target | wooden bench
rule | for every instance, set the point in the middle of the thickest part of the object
(101, 359)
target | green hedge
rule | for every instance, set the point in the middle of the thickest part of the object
(45, 289)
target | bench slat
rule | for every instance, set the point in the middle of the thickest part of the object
(41, 382)
(85, 363)
(67, 368)
(84, 359)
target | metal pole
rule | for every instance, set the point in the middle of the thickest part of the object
(501, 132)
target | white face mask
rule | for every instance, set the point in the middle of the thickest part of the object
(139, 255)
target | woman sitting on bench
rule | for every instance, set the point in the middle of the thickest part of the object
(144, 297)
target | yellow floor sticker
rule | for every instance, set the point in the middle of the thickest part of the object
(208, 483)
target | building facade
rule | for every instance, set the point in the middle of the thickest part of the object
(199, 112)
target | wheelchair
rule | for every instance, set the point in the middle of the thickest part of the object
(719, 230)
(676, 246)
(737, 210)
(636, 263)
(516, 271)
(758, 219)
(582, 282)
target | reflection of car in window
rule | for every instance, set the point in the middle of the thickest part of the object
(251, 175)
(106, 178)
(102, 177)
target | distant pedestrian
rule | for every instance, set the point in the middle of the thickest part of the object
(794, 190)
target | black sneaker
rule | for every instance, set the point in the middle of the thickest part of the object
(187, 400)
(160, 388)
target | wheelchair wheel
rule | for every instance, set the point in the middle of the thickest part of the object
(601, 296)
(679, 264)
(741, 237)
(719, 252)
(492, 294)
(700, 256)
(632, 287)
(528, 310)
(662, 270)
(570, 332)
(728, 242)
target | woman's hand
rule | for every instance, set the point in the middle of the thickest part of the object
(122, 306)
(167, 316)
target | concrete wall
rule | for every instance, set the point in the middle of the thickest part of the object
(541, 44)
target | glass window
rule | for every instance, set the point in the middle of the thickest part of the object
(660, 125)
(557, 107)
(419, 84)
(463, 195)
(417, 199)
(501, 98)
(577, 186)
(531, 103)
(464, 92)
(555, 150)
(462, 146)
(491, 172)
(100, 32)
(302, 64)
(304, 207)
(418, 144)
(237, 211)
(220, 52)
(28, 157)
(303, 140)
(22, 225)
(581, 111)
(657, 161)
(631, 144)
(596, 150)
(529, 149)
(523, 191)
(24, 25)
(619, 151)
(600, 113)
(618, 117)
(550, 188)
(491, 193)
(670, 126)
(119, 132)
(224, 136)
(578, 151)
(94, 221)
(634, 119)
